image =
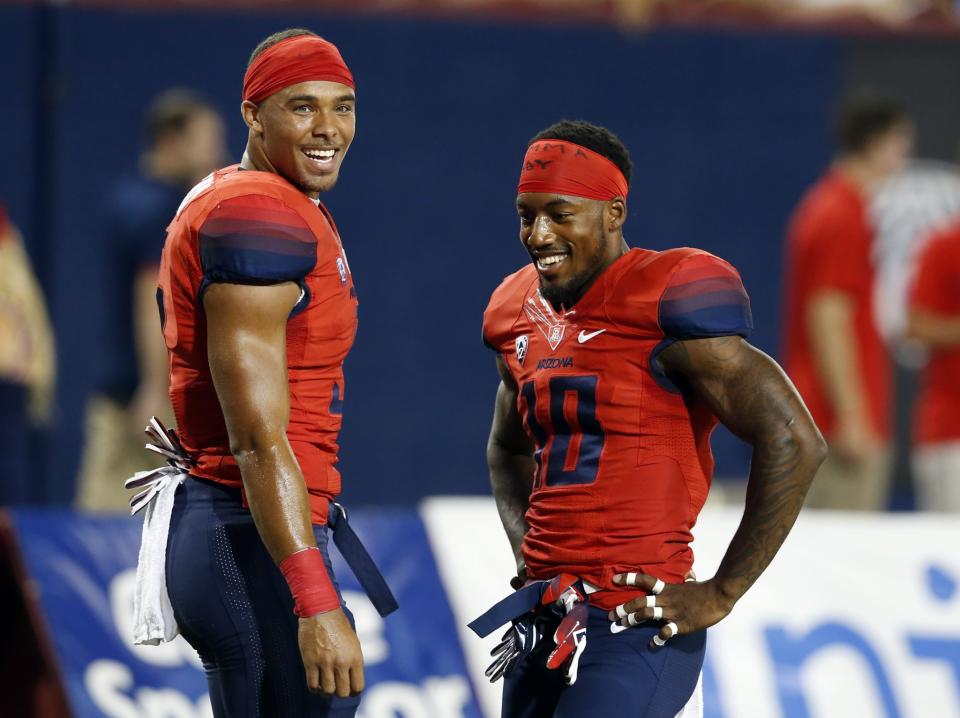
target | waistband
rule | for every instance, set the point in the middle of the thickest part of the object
(527, 598)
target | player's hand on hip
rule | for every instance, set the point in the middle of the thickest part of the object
(331, 654)
(681, 608)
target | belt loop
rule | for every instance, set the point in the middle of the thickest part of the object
(333, 515)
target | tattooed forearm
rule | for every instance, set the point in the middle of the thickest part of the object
(510, 459)
(780, 475)
(751, 395)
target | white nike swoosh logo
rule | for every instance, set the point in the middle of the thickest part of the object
(584, 337)
(616, 628)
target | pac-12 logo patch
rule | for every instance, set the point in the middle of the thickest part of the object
(341, 267)
(521, 348)
(556, 335)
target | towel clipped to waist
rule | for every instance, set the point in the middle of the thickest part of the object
(154, 621)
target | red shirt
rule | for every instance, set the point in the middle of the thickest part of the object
(248, 227)
(623, 458)
(936, 290)
(829, 244)
(4, 224)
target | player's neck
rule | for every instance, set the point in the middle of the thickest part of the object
(255, 159)
(617, 249)
(568, 303)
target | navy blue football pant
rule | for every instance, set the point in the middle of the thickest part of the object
(234, 607)
(619, 675)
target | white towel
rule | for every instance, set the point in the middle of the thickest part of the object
(153, 620)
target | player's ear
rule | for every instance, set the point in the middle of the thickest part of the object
(616, 214)
(250, 112)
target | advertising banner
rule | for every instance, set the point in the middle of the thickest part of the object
(85, 570)
(857, 616)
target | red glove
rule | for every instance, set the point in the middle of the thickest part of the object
(571, 640)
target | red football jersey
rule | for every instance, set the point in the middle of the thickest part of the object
(936, 290)
(623, 457)
(829, 248)
(248, 227)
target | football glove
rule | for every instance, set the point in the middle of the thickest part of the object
(517, 643)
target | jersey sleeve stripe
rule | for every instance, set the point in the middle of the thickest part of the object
(265, 240)
(254, 267)
(256, 207)
(703, 266)
(703, 286)
(256, 240)
(705, 298)
(710, 321)
(696, 302)
(280, 227)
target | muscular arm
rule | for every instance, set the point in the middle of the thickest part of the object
(935, 330)
(752, 396)
(246, 346)
(511, 464)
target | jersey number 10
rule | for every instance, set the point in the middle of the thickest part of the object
(569, 447)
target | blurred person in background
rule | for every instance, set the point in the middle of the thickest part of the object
(934, 319)
(184, 142)
(832, 348)
(615, 365)
(907, 211)
(26, 364)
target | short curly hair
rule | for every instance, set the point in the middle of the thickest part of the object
(593, 137)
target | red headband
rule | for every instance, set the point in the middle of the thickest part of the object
(297, 59)
(562, 167)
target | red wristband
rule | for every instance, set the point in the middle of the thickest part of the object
(309, 582)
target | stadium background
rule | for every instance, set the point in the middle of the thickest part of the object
(727, 121)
